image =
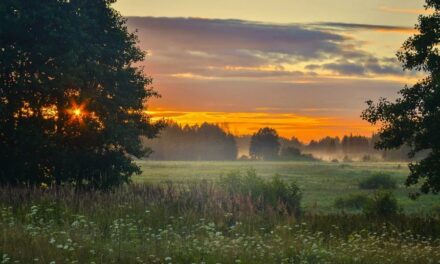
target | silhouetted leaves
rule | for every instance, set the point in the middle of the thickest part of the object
(265, 144)
(413, 120)
(71, 103)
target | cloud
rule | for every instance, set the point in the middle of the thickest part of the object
(213, 49)
(208, 69)
(231, 37)
(347, 68)
(354, 26)
(363, 67)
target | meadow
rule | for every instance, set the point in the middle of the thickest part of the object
(191, 212)
(320, 182)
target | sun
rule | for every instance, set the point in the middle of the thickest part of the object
(77, 112)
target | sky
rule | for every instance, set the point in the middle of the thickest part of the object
(303, 67)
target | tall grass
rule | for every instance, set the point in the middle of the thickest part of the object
(198, 222)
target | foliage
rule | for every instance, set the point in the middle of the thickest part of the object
(196, 223)
(354, 144)
(378, 181)
(265, 144)
(71, 102)
(321, 182)
(352, 201)
(413, 120)
(383, 205)
(436, 209)
(294, 154)
(198, 142)
(276, 193)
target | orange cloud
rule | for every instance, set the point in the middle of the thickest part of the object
(398, 30)
(303, 127)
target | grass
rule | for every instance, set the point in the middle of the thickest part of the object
(321, 182)
(197, 223)
(193, 212)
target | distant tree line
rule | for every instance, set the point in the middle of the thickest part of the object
(197, 142)
(213, 142)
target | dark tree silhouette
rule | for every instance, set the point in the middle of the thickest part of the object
(265, 144)
(355, 144)
(204, 142)
(294, 154)
(71, 103)
(414, 118)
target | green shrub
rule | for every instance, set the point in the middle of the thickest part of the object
(383, 205)
(287, 193)
(294, 154)
(352, 202)
(378, 181)
(436, 209)
(275, 192)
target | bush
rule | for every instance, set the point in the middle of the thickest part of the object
(352, 201)
(276, 193)
(436, 209)
(383, 205)
(378, 181)
(292, 153)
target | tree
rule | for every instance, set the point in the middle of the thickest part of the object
(72, 105)
(292, 153)
(204, 142)
(265, 144)
(414, 118)
(355, 144)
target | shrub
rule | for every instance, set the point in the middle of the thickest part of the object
(352, 201)
(436, 209)
(288, 194)
(275, 192)
(378, 181)
(383, 205)
(292, 153)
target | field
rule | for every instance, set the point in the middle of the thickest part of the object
(321, 182)
(171, 215)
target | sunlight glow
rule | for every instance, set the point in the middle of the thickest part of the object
(77, 112)
(49, 112)
(303, 127)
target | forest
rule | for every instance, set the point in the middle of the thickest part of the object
(215, 142)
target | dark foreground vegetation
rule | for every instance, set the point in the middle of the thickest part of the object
(238, 219)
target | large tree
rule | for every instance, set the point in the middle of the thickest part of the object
(413, 120)
(265, 144)
(71, 101)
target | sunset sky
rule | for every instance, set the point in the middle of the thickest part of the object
(303, 67)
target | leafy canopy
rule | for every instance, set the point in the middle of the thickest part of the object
(265, 144)
(71, 101)
(413, 120)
